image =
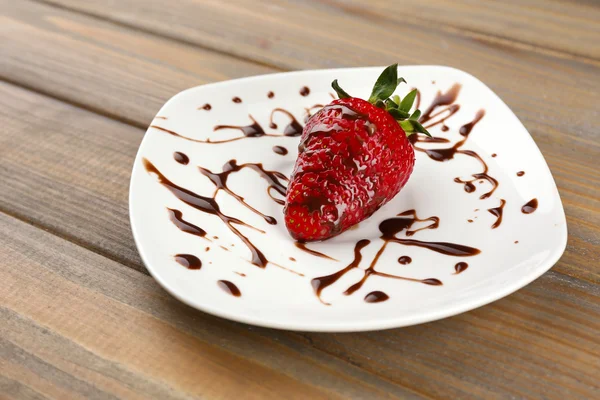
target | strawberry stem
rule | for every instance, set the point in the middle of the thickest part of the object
(385, 86)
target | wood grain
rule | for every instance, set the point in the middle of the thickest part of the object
(96, 329)
(111, 70)
(562, 28)
(556, 317)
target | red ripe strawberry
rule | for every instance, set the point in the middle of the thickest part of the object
(354, 156)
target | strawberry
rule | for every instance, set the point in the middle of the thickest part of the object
(354, 156)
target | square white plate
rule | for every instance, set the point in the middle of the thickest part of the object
(520, 249)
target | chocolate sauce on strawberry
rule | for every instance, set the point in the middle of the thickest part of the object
(530, 206)
(282, 151)
(404, 260)
(176, 217)
(181, 158)
(497, 212)
(188, 260)
(294, 128)
(305, 91)
(208, 205)
(229, 287)
(376, 297)
(460, 267)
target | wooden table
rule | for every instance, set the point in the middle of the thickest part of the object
(81, 317)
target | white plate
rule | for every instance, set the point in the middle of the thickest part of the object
(275, 297)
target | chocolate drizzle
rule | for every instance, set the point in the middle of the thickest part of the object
(282, 151)
(497, 212)
(376, 297)
(530, 206)
(181, 158)
(236, 100)
(305, 91)
(294, 128)
(206, 107)
(389, 229)
(229, 287)
(404, 260)
(189, 261)
(208, 205)
(431, 117)
(176, 218)
(274, 179)
(520, 173)
(302, 246)
(270, 95)
(460, 267)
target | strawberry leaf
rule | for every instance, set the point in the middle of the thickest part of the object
(415, 116)
(340, 92)
(419, 128)
(398, 114)
(385, 85)
(408, 101)
(389, 104)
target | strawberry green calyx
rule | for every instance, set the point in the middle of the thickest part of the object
(381, 97)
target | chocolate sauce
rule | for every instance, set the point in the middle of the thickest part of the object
(389, 228)
(520, 173)
(322, 282)
(294, 128)
(176, 217)
(189, 261)
(516, 241)
(445, 128)
(302, 246)
(404, 260)
(441, 99)
(282, 151)
(470, 221)
(273, 178)
(229, 287)
(208, 205)
(530, 207)
(181, 158)
(207, 248)
(292, 259)
(376, 297)
(494, 155)
(305, 91)
(497, 212)
(460, 267)
(252, 130)
(236, 100)
(270, 95)
(206, 107)
(160, 117)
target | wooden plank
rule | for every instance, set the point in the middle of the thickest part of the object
(557, 26)
(567, 29)
(96, 328)
(112, 70)
(77, 325)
